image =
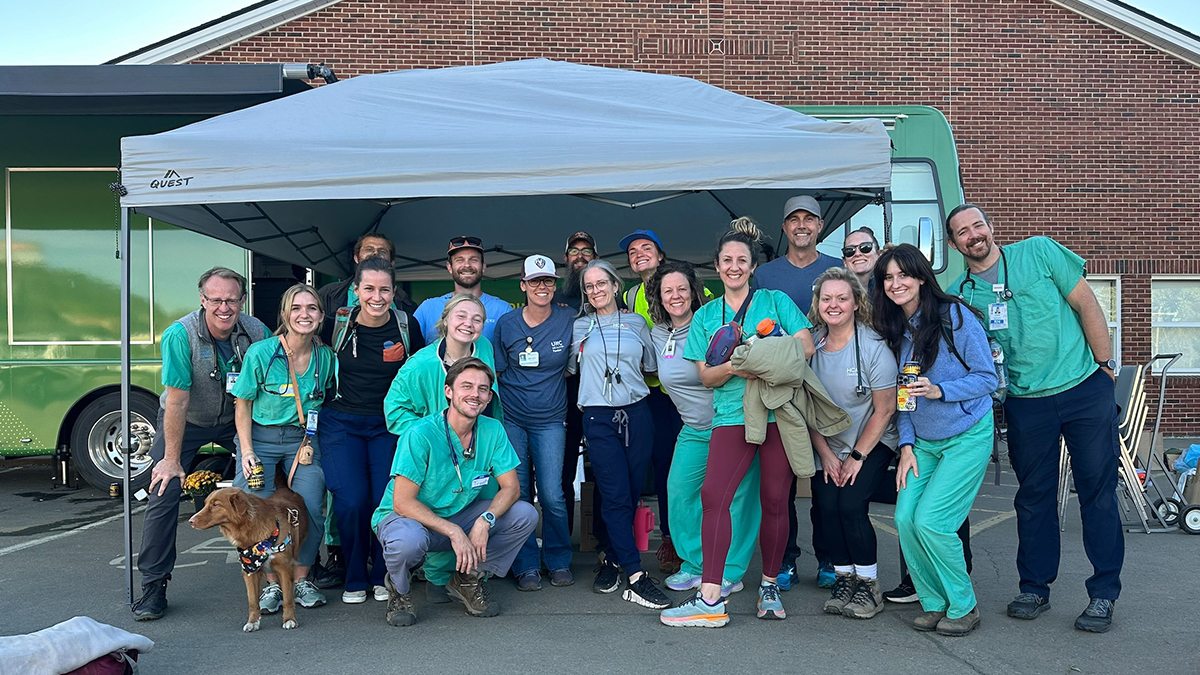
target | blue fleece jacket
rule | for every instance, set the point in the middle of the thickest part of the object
(966, 394)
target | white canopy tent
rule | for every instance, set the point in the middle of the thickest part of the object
(520, 153)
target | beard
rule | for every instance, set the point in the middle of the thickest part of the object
(571, 287)
(465, 282)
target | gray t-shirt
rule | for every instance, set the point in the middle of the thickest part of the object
(781, 275)
(617, 344)
(839, 373)
(534, 394)
(681, 378)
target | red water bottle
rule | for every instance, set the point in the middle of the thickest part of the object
(643, 523)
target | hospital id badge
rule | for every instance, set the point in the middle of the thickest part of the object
(998, 316)
(230, 380)
(480, 481)
(311, 426)
(669, 349)
(529, 359)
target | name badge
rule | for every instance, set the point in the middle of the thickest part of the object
(669, 349)
(311, 426)
(480, 481)
(998, 316)
(230, 380)
(286, 390)
(528, 359)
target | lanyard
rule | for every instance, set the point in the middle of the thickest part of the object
(469, 453)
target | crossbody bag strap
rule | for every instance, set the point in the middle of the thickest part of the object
(299, 407)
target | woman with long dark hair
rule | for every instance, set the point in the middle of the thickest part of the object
(946, 439)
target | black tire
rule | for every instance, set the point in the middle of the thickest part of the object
(1168, 511)
(1189, 520)
(96, 434)
(220, 464)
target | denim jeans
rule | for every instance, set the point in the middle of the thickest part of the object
(540, 449)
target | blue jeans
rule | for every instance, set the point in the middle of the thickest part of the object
(277, 445)
(357, 458)
(540, 449)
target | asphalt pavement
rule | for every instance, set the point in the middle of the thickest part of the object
(61, 555)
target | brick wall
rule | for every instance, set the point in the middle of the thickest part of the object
(1064, 127)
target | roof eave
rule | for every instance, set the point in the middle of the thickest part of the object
(1140, 26)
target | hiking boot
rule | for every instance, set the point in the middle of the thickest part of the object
(153, 603)
(867, 600)
(960, 626)
(399, 606)
(562, 577)
(471, 590)
(435, 594)
(529, 581)
(770, 605)
(1097, 618)
(646, 593)
(840, 596)
(695, 612)
(608, 576)
(787, 577)
(903, 594)
(683, 581)
(825, 575)
(307, 595)
(270, 599)
(927, 621)
(1028, 606)
(668, 560)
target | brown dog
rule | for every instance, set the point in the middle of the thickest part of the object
(265, 531)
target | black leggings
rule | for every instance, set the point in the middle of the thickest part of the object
(846, 525)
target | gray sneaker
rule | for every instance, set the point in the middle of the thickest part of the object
(842, 593)
(270, 599)
(867, 600)
(308, 595)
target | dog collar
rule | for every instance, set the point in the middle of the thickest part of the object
(252, 558)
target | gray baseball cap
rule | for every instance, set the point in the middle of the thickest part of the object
(801, 202)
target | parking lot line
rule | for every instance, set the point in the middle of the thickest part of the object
(61, 535)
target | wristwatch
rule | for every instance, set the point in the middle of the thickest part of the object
(855, 454)
(1111, 364)
(489, 518)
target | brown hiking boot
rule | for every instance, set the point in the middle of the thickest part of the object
(400, 607)
(471, 590)
(927, 621)
(867, 600)
(843, 590)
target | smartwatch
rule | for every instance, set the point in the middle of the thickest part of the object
(1111, 364)
(855, 454)
(489, 518)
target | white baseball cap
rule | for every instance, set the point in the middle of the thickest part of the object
(537, 266)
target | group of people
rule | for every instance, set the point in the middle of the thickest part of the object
(433, 430)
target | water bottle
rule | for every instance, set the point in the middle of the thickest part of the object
(643, 523)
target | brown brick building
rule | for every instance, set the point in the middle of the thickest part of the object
(1078, 119)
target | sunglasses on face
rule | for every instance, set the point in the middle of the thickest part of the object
(863, 248)
(459, 242)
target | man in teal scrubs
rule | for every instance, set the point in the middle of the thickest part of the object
(445, 467)
(1038, 305)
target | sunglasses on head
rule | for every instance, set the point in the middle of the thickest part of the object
(459, 242)
(864, 248)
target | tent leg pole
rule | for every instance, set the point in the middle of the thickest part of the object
(126, 450)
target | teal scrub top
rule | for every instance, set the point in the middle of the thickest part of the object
(266, 382)
(1044, 345)
(420, 386)
(766, 304)
(423, 457)
(177, 358)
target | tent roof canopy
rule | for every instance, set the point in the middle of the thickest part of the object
(519, 153)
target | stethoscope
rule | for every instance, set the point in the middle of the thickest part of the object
(860, 389)
(1002, 295)
(215, 373)
(317, 393)
(468, 452)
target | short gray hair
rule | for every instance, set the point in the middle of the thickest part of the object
(618, 284)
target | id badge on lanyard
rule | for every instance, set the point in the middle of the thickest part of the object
(230, 380)
(998, 311)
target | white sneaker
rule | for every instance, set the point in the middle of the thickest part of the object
(381, 594)
(354, 597)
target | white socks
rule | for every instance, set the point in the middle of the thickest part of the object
(866, 571)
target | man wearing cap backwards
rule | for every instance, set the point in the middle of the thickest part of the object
(794, 274)
(464, 262)
(1041, 310)
(532, 346)
(581, 249)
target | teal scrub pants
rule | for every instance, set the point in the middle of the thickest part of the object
(931, 508)
(686, 513)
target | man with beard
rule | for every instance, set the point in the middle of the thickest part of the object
(1041, 310)
(342, 293)
(465, 265)
(581, 250)
(794, 274)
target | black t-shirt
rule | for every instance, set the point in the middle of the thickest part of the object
(364, 376)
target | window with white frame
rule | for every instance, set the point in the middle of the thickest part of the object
(1108, 293)
(1175, 320)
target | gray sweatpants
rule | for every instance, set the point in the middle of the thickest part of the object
(405, 541)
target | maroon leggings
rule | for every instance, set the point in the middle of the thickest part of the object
(729, 457)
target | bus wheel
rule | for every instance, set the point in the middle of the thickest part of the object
(96, 440)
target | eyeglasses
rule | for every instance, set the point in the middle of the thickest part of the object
(548, 282)
(863, 248)
(581, 251)
(218, 302)
(598, 286)
(459, 242)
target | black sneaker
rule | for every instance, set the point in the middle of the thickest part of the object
(903, 594)
(608, 576)
(153, 603)
(1097, 618)
(1028, 606)
(646, 593)
(331, 574)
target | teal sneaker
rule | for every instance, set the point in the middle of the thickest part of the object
(695, 612)
(730, 587)
(270, 599)
(683, 581)
(786, 578)
(825, 575)
(770, 605)
(307, 595)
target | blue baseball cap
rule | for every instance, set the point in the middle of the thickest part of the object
(641, 234)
